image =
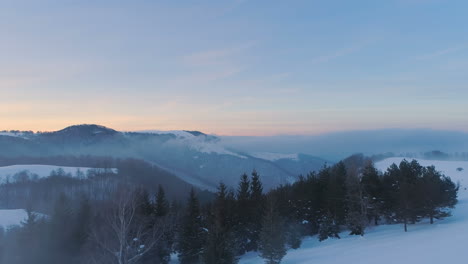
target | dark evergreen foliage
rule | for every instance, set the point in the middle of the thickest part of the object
(192, 234)
(273, 236)
(221, 247)
(348, 196)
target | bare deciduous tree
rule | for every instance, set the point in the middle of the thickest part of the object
(125, 238)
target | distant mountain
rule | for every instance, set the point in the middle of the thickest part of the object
(196, 157)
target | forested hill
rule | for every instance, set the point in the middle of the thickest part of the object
(197, 158)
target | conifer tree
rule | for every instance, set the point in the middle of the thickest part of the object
(258, 206)
(438, 192)
(221, 247)
(82, 225)
(356, 205)
(192, 234)
(402, 182)
(328, 227)
(161, 209)
(243, 224)
(373, 191)
(162, 205)
(272, 236)
(145, 208)
(294, 235)
(336, 193)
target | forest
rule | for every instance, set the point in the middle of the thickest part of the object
(142, 214)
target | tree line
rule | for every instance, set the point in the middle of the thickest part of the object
(140, 224)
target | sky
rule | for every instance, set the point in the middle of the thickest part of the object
(241, 67)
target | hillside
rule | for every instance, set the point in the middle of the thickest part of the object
(193, 156)
(442, 242)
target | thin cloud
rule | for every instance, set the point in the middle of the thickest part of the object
(440, 53)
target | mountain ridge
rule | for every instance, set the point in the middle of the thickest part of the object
(194, 156)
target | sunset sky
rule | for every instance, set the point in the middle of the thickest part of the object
(242, 67)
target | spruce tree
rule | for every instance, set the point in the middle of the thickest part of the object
(161, 209)
(372, 189)
(82, 225)
(356, 205)
(272, 236)
(192, 235)
(257, 201)
(144, 208)
(243, 224)
(336, 193)
(221, 247)
(328, 227)
(162, 205)
(294, 235)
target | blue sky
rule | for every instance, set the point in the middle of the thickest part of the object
(241, 67)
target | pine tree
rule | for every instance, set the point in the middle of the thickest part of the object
(294, 235)
(256, 187)
(82, 225)
(331, 203)
(162, 205)
(243, 226)
(336, 193)
(192, 234)
(243, 191)
(401, 185)
(221, 247)
(161, 209)
(372, 187)
(145, 209)
(272, 236)
(356, 205)
(328, 227)
(257, 201)
(438, 192)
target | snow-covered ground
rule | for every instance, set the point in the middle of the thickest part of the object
(443, 242)
(13, 134)
(12, 217)
(40, 170)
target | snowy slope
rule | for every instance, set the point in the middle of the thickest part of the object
(443, 242)
(198, 142)
(40, 170)
(10, 134)
(12, 217)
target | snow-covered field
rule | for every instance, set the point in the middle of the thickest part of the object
(12, 217)
(40, 170)
(443, 242)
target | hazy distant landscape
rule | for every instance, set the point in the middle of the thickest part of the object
(233, 132)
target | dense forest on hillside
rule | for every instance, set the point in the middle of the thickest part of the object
(136, 216)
